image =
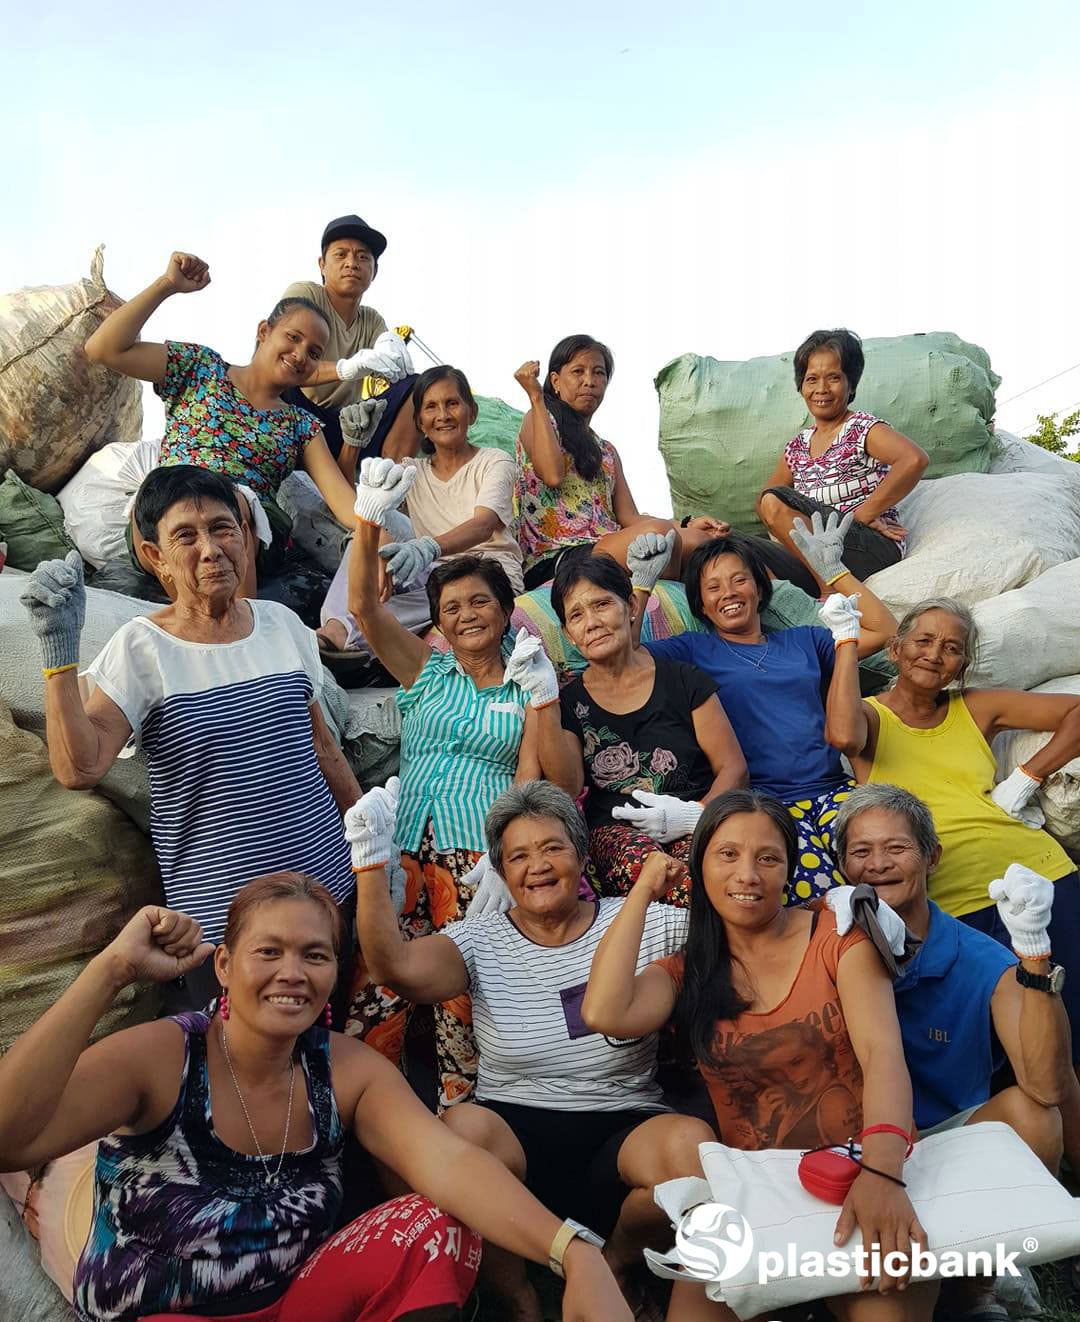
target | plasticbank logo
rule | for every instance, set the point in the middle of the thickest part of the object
(714, 1242)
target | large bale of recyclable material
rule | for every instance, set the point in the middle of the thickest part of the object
(56, 407)
(497, 424)
(31, 524)
(1019, 456)
(723, 425)
(75, 870)
(1059, 794)
(979, 535)
(1031, 635)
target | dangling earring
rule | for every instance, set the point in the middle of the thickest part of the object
(223, 1003)
(327, 1017)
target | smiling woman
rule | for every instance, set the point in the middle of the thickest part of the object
(229, 419)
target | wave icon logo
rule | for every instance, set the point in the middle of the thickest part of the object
(714, 1242)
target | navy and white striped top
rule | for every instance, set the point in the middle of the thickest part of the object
(235, 787)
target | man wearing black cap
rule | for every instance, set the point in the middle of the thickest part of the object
(351, 249)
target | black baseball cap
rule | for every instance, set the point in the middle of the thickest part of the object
(352, 227)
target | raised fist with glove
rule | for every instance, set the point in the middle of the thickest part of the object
(360, 421)
(662, 816)
(369, 826)
(382, 487)
(528, 667)
(55, 596)
(491, 894)
(1024, 900)
(1016, 795)
(387, 357)
(841, 616)
(406, 561)
(822, 544)
(647, 557)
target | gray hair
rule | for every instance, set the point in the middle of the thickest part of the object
(890, 798)
(951, 606)
(534, 798)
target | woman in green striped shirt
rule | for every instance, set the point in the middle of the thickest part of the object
(468, 731)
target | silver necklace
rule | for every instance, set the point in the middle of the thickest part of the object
(737, 651)
(271, 1178)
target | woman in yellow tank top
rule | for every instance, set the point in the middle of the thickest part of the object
(936, 744)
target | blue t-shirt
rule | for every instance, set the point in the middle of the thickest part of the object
(943, 1004)
(774, 697)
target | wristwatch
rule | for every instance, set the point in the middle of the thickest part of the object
(568, 1231)
(1051, 982)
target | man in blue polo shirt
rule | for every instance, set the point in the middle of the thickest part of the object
(964, 1002)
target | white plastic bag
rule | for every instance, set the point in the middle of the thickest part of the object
(1015, 455)
(1031, 634)
(972, 1188)
(977, 535)
(1059, 794)
(95, 500)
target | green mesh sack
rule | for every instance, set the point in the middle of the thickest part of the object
(724, 425)
(497, 424)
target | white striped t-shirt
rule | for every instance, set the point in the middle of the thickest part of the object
(235, 787)
(534, 1047)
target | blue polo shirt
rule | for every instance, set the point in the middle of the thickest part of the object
(943, 1004)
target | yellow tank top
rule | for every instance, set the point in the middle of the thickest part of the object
(951, 768)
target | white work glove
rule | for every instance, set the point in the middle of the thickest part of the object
(369, 826)
(1015, 795)
(382, 487)
(841, 616)
(360, 421)
(528, 667)
(1024, 900)
(647, 557)
(838, 898)
(406, 561)
(491, 894)
(822, 544)
(662, 816)
(387, 357)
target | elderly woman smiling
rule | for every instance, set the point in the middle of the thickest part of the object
(222, 694)
(570, 1112)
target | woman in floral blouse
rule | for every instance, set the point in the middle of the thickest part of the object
(230, 419)
(845, 460)
(648, 737)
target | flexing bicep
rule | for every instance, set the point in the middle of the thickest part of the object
(542, 446)
(995, 710)
(429, 970)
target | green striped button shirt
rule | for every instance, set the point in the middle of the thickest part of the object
(459, 751)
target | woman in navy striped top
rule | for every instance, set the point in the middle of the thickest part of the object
(221, 693)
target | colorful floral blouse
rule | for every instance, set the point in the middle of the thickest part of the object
(845, 474)
(552, 519)
(208, 423)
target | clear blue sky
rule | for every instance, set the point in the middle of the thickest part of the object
(710, 177)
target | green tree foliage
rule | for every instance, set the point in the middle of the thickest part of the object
(1053, 435)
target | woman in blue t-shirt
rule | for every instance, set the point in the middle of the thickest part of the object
(773, 686)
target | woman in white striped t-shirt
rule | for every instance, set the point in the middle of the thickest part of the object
(469, 723)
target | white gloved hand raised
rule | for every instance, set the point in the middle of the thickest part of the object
(387, 357)
(647, 557)
(528, 666)
(841, 616)
(839, 900)
(406, 561)
(1024, 900)
(382, 487)
(662, 816)
(369, 826)
(822, 544)
(491, 894)
(1015, 795)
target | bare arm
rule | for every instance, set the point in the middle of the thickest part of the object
(847, 717)
(779, 477)
(400, 651)
(560, 751)
(334, 487)
(473, 532)
(426, 970)
(84, 740)
(624, 507)
(537, 435)
(528, 763)
(907, 463)
(995, 710)
(620, 1002)
(1033, 1029)
(717, 741)
(339, 775)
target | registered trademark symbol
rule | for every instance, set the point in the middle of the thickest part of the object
(1030, 1244)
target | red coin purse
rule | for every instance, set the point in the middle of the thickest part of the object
(829, 1173)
